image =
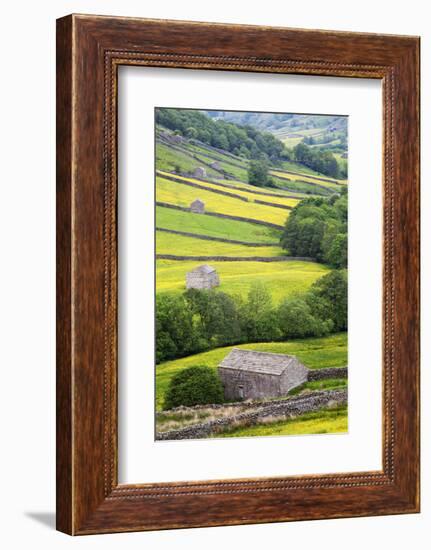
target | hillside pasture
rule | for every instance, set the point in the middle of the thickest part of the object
(236, 184)
(175, 193)
(236, 278)
(170, 159)
(169, 243)
(333, 186)
(168, 218)
(246, 193)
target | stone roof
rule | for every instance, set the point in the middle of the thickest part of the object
(203, 269)
(198, 201)
(257, 361)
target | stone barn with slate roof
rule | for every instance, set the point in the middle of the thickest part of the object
(203, 277)
(198, 207)
(200, 172)
(247, 374)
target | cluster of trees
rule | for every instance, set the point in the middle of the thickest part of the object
(199, 320)
(318, 160)
(245, 141)
(317, 228)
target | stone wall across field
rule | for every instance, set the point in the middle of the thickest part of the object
(324, 374)
(218, 239)
(274, 204)
(255, 191)
(287, 407)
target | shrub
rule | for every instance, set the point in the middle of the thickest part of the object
(198, 385)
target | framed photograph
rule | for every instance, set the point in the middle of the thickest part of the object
(237, 274)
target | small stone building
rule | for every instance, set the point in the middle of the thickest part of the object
(248, 374)
(215, 165)
(198, 207)
(200, 172)
(203, 277)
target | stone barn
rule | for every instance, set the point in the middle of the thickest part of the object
(215, 165)
(247, 374)
(200, 172)
(203, 277)
(198, 207)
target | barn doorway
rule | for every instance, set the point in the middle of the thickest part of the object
(241, 391)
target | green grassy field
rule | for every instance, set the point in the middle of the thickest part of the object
(273, 190)
(216, 154)
(170, 159)
(248, 194)
(168, 243)
(308, 179)
(282, 278)
(182, 195)
(320, 422)
(215, 227)
(315, 353)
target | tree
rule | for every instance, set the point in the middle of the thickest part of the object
(191, 132)
(337, 252)
(258, 173)
(333, 289)
(297, 320)
(197, 385)
(176, 334)
(321, 161)
(216, 314)
(259, 320)
(317, 228)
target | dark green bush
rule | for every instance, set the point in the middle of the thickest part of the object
(198, 385)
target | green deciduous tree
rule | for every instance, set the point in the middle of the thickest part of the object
(258, 318)
(176, 333)
(297, 320)
(257, 173)
(198, 385)
(332, 288)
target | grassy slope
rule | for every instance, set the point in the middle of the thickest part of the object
(273, 190)
(241, 192)
(308, 179)
(215, 227)
(182, 195)
(313, 352)
(168, 243)
(321, 422)
(282, 278)
(170, 159)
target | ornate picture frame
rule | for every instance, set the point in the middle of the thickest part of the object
(89, 51)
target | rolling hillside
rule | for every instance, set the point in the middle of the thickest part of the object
(207, 212)
(240, 230)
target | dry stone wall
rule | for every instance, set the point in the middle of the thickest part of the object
(293, 406)
(324, 374)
